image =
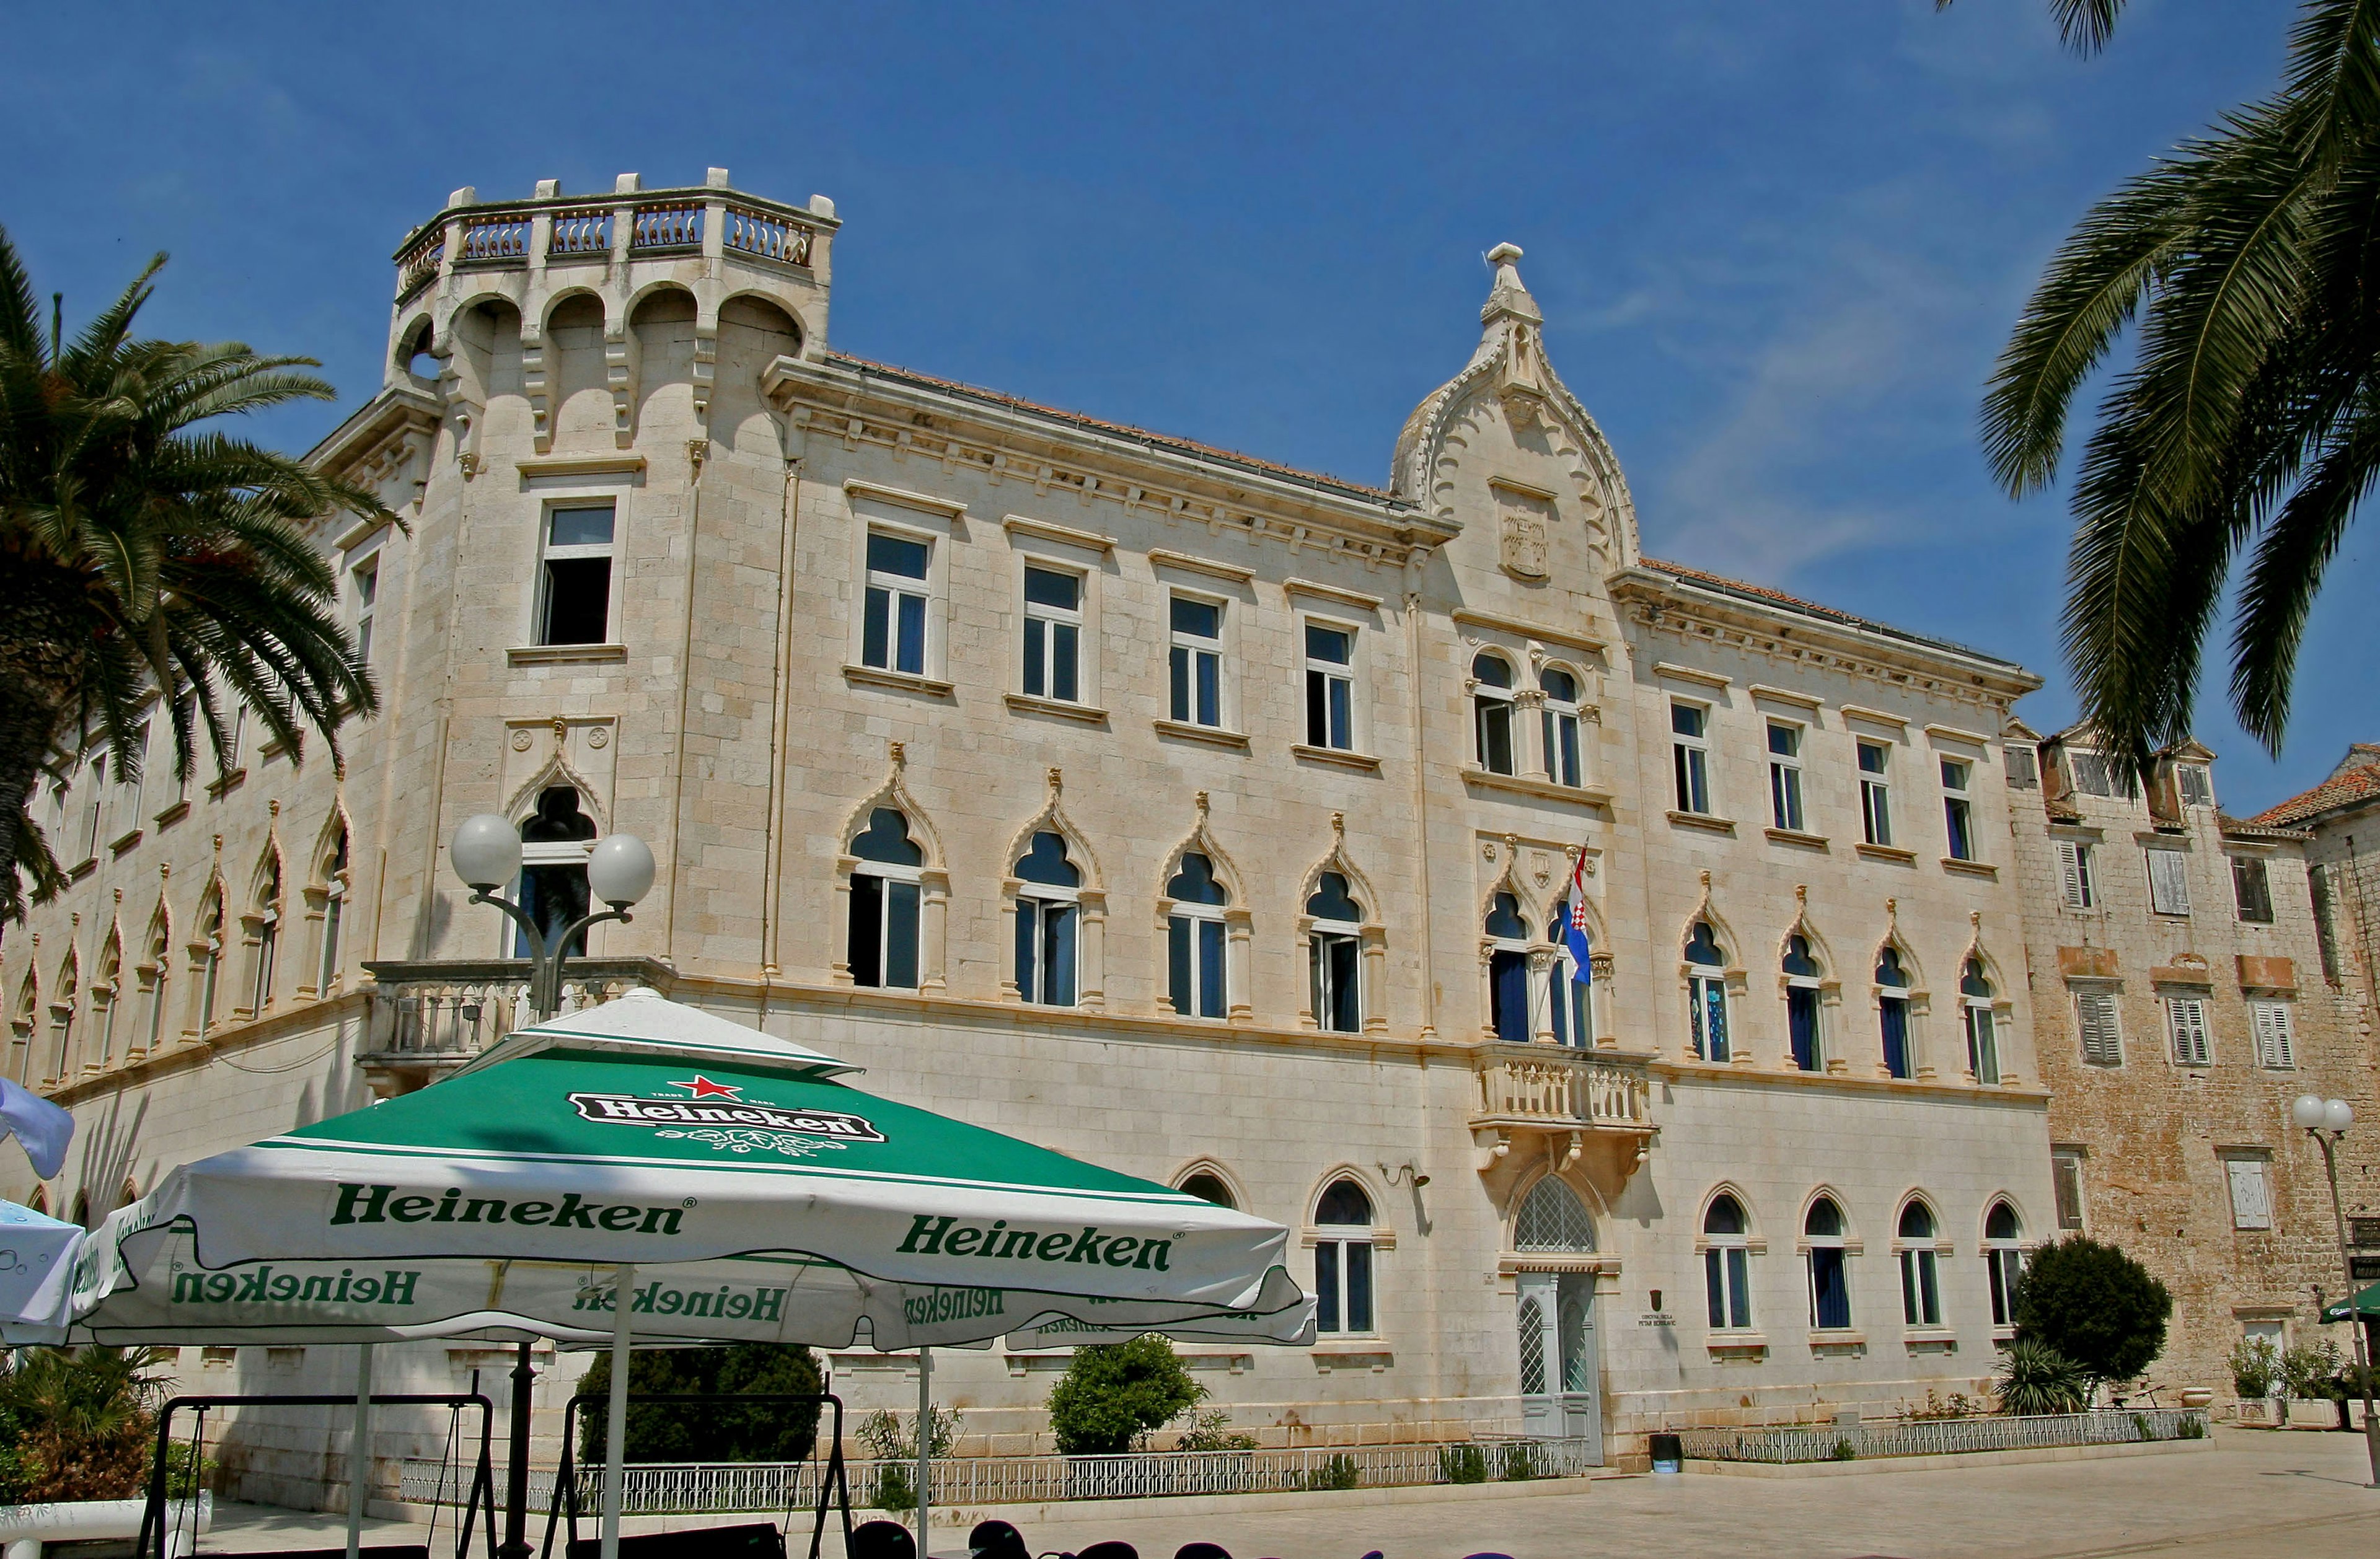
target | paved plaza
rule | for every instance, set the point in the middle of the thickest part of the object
(2254, 1493)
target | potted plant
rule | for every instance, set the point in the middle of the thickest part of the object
(2256, 1365)
(2309, 1373)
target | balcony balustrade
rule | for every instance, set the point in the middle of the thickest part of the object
(751, 232)
(1531, 1094)
(587, 231)
(431, 1017)
(665, 227)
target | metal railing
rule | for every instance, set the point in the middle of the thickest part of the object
(665, 227)
(682, 1488)
(1563, 1089)
(418, 267)
(585, 231)
(494, 241)
(1936, 1437)
(752, 232)
(456, 1009)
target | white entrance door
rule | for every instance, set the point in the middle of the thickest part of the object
(1560, 1365)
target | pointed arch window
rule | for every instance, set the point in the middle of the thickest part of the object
(885, 887)
(1823, 1232)
(209, 957)
(63, 1009)
(1507, 970)
(554, 841)
(1196, 967)
(106, 999)
(1559, 719)
(1921, 1280)
(1727, 1264)
(20, 1026)
(155, 974)
(1334, 954)
(2003, 1260)
(1207, 1186)
(1342, 1262)
(1570, 991)
(1802, 979)
(1983, 1035)
(1893, 1010)
(1048, 921)
(267, 921)
(1707, 993)
(334, 906)
(1551, 1218)
(1492, 712)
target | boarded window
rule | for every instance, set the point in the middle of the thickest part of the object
(2252, 1192)
(2168, 882)
(2095, 1019)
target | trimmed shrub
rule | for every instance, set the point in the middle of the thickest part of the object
(1336, 1472)
(1520, 1462)
(2094, 1304)
(726, 1430)
(2255, 1366)
(1461, 1464)
(1113, 1394)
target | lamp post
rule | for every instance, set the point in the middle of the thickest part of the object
(486, 853)
(2327, 1120)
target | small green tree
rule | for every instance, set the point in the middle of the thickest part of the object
(2037, 1378)
(706, 1431)
(2311, 1371)
(1113, 1393)
(2094, 1304)
(79, 1423)
(2256, 1368)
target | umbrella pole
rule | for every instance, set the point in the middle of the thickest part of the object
(925, 1448)
(359, 1454)
(615, 1420)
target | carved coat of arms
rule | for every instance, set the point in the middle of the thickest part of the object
(1527, 521)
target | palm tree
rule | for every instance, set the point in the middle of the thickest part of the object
(142, 552)
(2250, 418)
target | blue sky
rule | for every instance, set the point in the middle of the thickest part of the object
(1778, 245)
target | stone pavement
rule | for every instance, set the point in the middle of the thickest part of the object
(2255, 1493)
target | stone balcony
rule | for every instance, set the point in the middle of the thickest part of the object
(429, 1017)
(1537, 1102)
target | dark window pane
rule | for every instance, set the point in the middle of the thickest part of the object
(1203, 619)
(1028, 948)
(1726, 1217)
(1703, 947)
(1343, 1202)
(1491, 670)
(1327, 643)
(1036, 674)
(1359, 1285)
(1685, 719)
(1508, 997)
(554, 896)
(912, 647)
(1209, 1188)
(1045, 861)
(1346, 1013)
(1178, 970)
(1343, 724)
(1871, 758)
(876, 629)
(1046, 587)
(1065, 681)
(578, 599)
(1714, 1288)
(1210, 697)
(900, 934)
(865, 948)
(886, 838)
(1331, 901)
(1326, 1285)
(1895, 1020)
(893, 554)
(1057, 954)
(1558, 687)
(1826, 1219)
(1194, 882)
(1180, 667)
(1831, 1295)
(1504, 918)
(1318, 709)
(1496, 736)
(579, 527)
(1801, 1022)
(1739, 1273)
(1210, 969)
(1916, 1223)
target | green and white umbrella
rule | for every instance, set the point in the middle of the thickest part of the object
(716, 1180)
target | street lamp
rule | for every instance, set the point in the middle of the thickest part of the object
(486, 853)
(2318, 1117)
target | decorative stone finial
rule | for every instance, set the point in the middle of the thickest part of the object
(1975, 921)
(1802, 894)
(900, 754)
(696, 452)
(1338, 827)
(1057, 781)
(1202, 805)
(1508, 295)
(272, 807)
(1706, 875)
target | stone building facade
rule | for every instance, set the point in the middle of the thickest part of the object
(1211, 819)
(2184, 997)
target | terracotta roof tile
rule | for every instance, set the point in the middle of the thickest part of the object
(1119, 430)
(2340, 789)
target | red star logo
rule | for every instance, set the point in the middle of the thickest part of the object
(703, 1088)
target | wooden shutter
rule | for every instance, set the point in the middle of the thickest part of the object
(2094, 1014)
(2251, 1204)
(2275, 1046)
(2168, 882)
(2186, 1018)
(2069, 874)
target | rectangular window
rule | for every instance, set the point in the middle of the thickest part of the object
(1727, 1285)
(2197, 785)
(1196, 965)
(1045, 950)
(1875, 793)
(2185, 1023)
(2066, 1181)
(2276, 1044)
(2251, 1191)
(2092, 774)
(93, 786)
(1706, 1004)
(1690, 753)
(1330, 688)
(2095, 1021)
(2168, 882)
(1957, 814)
(575, 588)
(2023, 768)
(1198, 661)
(1053, 634)
(1333, 960)
(2003, 1267)
(186, 719)
(1830, 1290)
(365, 595)
(1785, 776)
(2252, 889)
(893, 621)
(1343, 1286)
(1982, 1042)
(1920, 1289)
(2075, 874)
(883, 950)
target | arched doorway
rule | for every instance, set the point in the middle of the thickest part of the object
(1561, 1362)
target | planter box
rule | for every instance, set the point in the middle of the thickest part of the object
(2258, 1412)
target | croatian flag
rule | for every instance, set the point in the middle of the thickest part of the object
(1574, 922)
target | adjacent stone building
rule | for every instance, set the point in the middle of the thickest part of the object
(1211, 819)
(2185, 993)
